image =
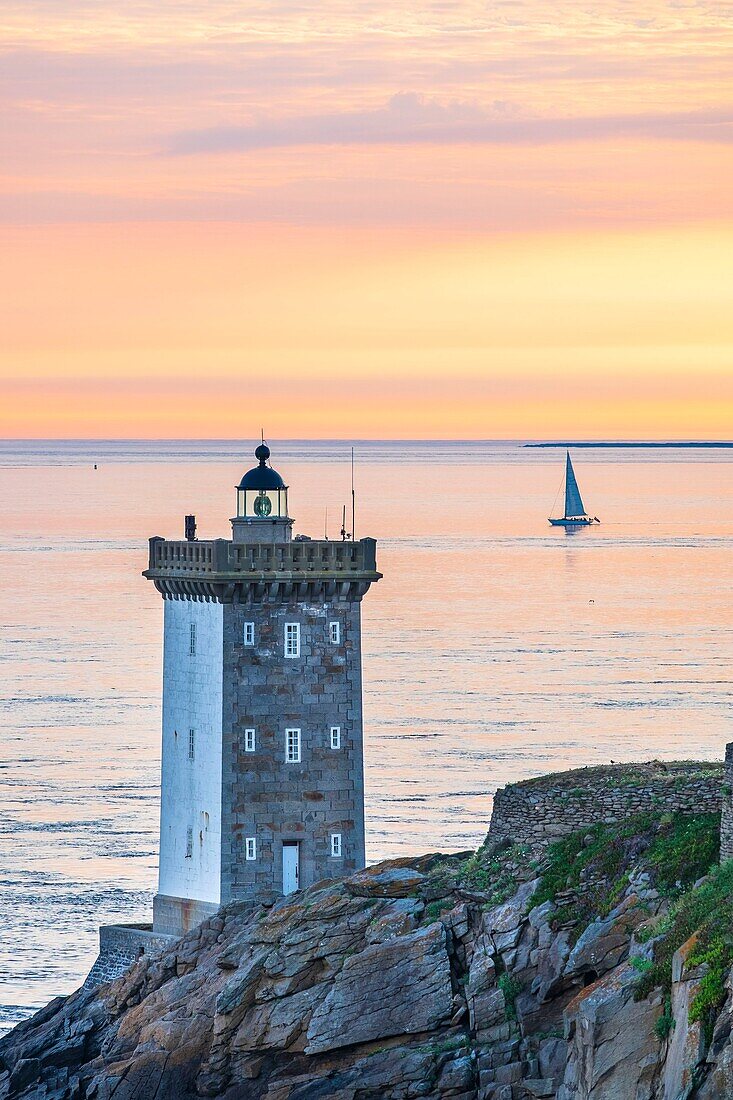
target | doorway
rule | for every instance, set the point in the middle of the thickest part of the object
(291, 866)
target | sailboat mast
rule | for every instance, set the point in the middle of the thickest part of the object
(568, 475)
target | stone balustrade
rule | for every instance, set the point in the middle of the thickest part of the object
(221, 569)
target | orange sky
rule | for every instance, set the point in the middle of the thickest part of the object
(354, 219)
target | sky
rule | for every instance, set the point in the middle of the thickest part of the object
(364, 220)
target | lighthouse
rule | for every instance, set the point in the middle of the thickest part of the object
(262, 787)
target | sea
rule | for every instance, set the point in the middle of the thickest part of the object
(495, 648)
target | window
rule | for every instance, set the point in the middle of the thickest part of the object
(292, 746)
(191, 744)
(334, 630)
(249, 633)
(249, 740)
(250, 848)
(336, 845)
(292, 639)
(335, 737)
(192, 639)
(189, 842)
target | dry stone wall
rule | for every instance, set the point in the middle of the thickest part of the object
(541, 810)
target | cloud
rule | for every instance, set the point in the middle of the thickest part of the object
(408, 119)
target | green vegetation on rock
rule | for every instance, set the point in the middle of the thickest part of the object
(675, 851)
(511, 989)
(665, 1023)
(708, 910)
(488, 871)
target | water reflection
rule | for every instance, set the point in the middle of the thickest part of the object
(494, 648)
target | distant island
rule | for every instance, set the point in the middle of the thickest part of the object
(720, 445)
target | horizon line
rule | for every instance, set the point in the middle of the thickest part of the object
(536, 441)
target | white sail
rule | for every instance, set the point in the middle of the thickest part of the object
(573, 500)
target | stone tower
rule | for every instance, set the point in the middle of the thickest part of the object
(262, 774)
(726, 814)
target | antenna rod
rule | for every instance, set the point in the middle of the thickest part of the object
(353, 500)
(325, 526)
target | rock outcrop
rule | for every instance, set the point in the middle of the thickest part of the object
(440, 977)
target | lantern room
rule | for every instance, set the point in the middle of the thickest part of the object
(262, 504)
(262, 493)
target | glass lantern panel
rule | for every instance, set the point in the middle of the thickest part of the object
(264, 503)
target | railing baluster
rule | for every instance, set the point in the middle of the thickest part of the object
(201, 557)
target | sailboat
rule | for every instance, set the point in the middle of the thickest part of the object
(575, 513)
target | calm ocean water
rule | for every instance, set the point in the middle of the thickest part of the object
(495, 648)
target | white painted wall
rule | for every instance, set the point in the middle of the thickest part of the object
(191, 789)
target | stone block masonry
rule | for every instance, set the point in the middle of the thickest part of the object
(726, 815)
(120, 945)
(322, 793)
(263, 787)
(538, 811)
(262, 779)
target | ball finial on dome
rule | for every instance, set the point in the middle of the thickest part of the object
(262, 453)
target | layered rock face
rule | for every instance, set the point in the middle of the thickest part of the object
(405, 980)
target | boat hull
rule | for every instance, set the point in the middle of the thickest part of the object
(577, 521)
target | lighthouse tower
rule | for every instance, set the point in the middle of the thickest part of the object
(262, 772)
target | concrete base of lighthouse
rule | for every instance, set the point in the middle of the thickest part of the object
(121, 945)
(176, 916)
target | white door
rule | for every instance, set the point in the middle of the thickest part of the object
(290, 868)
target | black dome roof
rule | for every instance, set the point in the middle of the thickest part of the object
(262, 476)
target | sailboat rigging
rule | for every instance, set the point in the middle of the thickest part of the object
(575, 514)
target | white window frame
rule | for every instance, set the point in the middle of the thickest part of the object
(248, 634)
(335, 737)
(292, 745)
(192, 639)
(334, 632)
(250, 848)
(336, 846)
(250, 740)
(189, 842)
(292, 640)
(192, 744)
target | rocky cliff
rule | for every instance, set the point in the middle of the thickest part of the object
(599, 971)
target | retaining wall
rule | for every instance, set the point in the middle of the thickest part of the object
(120, 945)
(538, 811)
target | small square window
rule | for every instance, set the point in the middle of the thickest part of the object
(335, 633)
(192, 639)
(249, 633)
(336, 845)
(335, 737)
(191, 744)
(249, 740)
(292, 639)
(292, 746)
(189, 842)
(251, 848)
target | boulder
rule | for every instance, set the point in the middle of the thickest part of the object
(509, 915)
(398, 919)
(685, 1048)
(399, 987)
(605, 942)
(385, 882)
(614, 1051)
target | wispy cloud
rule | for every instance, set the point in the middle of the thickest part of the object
(408, 118)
